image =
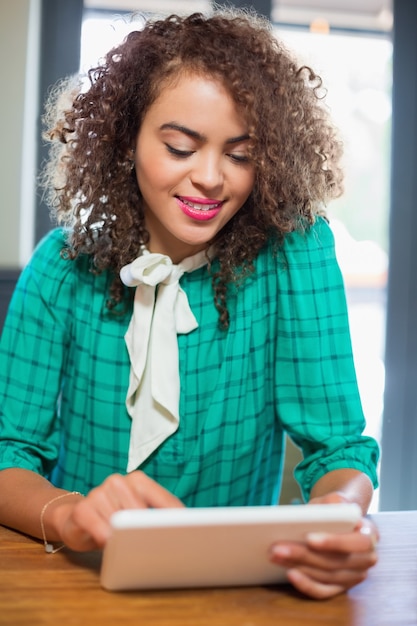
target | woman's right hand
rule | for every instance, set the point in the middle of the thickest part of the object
(84, 524)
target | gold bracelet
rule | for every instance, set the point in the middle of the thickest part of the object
(49, 548)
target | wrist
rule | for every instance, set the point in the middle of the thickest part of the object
(52, 515)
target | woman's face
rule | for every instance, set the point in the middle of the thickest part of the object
(192, 165)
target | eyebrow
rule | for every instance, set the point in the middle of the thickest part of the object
(198, 136)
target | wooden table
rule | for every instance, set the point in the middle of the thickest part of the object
(63, 589)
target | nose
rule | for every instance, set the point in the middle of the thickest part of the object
(207, 172)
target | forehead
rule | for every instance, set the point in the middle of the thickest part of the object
(194, 96)
(185, 79)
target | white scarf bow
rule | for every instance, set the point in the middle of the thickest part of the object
(159, 314)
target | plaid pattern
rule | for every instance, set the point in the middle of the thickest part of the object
(284, 365)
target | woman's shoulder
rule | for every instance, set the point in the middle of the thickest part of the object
(317, 236)
(48, 270)
(48, 249)
(47, 260)
(301, 245)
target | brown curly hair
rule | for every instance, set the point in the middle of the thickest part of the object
(294, 147)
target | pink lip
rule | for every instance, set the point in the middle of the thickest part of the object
(198, 214)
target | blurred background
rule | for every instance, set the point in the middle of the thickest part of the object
(366, 53)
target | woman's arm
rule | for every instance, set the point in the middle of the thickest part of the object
(23, 495)
(82, 523)
(343, 485)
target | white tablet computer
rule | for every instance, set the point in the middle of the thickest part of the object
(210, 547)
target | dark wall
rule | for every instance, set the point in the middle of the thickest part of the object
(8, 280)
(399, 435)
(264, 7)
(61, 23)
(59, 57)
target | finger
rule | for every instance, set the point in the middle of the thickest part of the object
(151, 493)
(342, 577)
(81, 541)
(134, 490)
(91, 520)
(362, 540)
(296, 554)
(312, 588)
(116, 493)
(85, 528)
(89, 523)
(109, 497)
(369, 529)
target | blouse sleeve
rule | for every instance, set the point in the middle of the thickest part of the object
(316, 388)
(32, 350)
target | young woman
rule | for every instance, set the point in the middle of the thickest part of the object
(188, 311)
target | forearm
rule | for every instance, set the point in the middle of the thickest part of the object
(23, 496)
(352, 485)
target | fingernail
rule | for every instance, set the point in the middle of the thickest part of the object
(281, 551)
(294, 576)
(317, 538)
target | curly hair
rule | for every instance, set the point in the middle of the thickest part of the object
(294, 146)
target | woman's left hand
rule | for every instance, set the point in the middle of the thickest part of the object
(329, 564)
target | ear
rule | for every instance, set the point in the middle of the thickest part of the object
(130, 154)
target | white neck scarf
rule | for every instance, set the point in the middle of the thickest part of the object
(159, 314)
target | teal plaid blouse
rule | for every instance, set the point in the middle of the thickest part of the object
(284, 365)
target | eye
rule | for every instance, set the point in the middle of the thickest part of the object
(239, 158)
(182, 154)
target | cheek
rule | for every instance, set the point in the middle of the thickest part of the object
(245, 184)
(157, 173)
(147, 175)
(147, 163)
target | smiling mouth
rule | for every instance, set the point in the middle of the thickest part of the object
(199, 209)
(208, 205)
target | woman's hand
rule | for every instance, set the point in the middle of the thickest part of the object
(84, 524)
(329, 564)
